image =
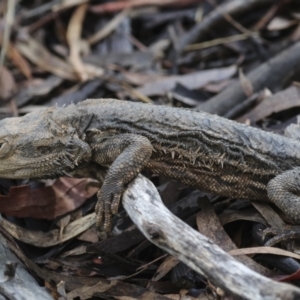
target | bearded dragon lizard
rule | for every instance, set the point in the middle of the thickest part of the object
(205, 151)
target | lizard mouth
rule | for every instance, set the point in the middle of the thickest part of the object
(54, 166)
(51, 166)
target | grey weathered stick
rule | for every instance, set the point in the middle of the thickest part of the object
(271, 74)
(17, 283)
(143, 204)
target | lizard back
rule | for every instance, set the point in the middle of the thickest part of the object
(207, 151)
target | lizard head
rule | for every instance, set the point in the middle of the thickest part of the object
(35, 146)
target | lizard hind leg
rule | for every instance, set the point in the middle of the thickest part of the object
(293, 130)
(284, 192)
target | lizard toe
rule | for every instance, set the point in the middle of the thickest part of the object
(116, 203)
(109, 198)
(107, 217)
(99, 210)
(290, 232)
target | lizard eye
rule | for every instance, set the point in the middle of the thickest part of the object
(4, 148)
(44, 149)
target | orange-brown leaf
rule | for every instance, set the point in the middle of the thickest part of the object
(65, 195)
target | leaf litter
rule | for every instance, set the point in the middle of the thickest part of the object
(219, 56)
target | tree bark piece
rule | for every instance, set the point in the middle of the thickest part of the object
(270, 74)
(143, 204)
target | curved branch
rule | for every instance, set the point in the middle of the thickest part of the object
(143, 204)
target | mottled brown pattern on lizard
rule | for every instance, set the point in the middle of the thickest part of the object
(202, 150)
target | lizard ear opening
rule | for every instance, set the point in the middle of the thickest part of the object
(57, 129)
(4, 148)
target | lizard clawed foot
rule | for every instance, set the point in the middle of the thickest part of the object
(109, 198)
(280, 235)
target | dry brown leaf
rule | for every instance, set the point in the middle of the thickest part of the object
(74, 40)
(39, 55)
(108, 28)
(61, 289)
(16, 57)
(37, 88)
(269, 214)
(93, 71)
(248, 215)
(50, 238)
(137, 60)
(263, 250)
(9, 18)
(89, 235)
(67, 3)
(75, 251)
(209, 225)
(165, 267)
(219, 41)
(87, 292)
(268, 16)
(120, 5)
(139, 78)
(62, 223)
(134, 93)
(191, 81)
(217, 87)
(290, 277)
(65, 195)
(279, 23)
(246, 84)
(283, 100)
(295, 36)
(7, 84)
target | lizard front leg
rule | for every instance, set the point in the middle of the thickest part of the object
(125, 155)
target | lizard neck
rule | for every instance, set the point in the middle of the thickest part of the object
(74, 117)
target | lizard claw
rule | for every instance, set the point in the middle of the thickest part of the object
(109, 199)
(290, 232)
